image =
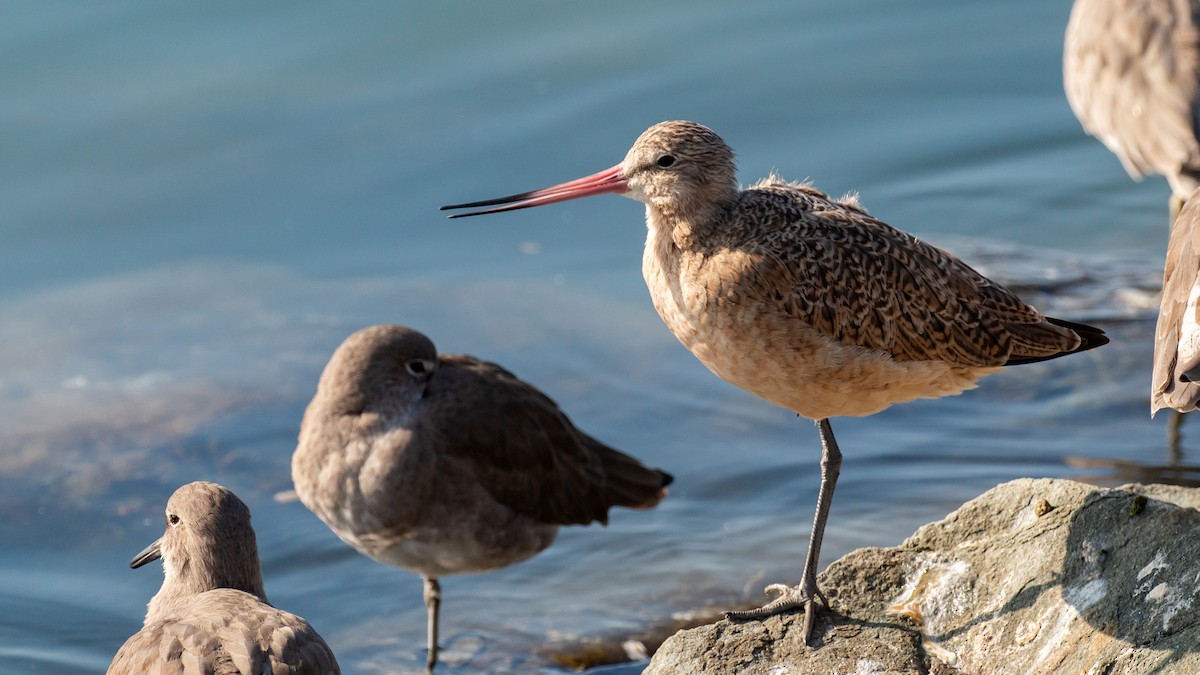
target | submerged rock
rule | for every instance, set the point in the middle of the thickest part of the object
(1034, 576)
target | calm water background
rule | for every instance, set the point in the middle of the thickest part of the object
(199, 203)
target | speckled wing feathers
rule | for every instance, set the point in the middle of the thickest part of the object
(865, 283)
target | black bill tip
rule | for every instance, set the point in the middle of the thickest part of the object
(149, 554)
(499, 201)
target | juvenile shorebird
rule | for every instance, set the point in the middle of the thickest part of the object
(211, 614)
(1131, 69)
(446, 464)
(807, 301)
(1176, 380)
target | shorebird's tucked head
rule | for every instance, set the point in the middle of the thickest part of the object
(680, 167)
(208, 544)
(382, 369)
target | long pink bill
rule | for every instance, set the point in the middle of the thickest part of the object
(608, 180)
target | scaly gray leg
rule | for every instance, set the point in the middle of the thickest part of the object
(1174, 440)
(433, 602)
(806, 593)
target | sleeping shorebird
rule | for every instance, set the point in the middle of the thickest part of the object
(1131, 69)
(807, 301)
(446, 464)
(211, 614)
(1176, 379)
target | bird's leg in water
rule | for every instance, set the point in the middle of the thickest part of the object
(433, 602)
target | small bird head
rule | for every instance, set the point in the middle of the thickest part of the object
(380, 368)
(680, 167)
(208, 543)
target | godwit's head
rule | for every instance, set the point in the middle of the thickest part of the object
(679, 167)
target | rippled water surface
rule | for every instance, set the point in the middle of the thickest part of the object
(200, 202)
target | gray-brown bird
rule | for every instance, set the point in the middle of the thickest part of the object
(211, 614)
(808, 301)
(1176, 377)
(446, 464)
(1131, 69)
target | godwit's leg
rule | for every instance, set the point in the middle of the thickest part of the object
(433, 602)
(806, 592)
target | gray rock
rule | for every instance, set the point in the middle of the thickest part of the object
(1035, 576)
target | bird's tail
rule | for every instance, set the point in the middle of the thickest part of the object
(630, 483)
(1090, 337)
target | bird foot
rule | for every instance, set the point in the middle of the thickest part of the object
(804, 595)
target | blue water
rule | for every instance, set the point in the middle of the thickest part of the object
(200, 201)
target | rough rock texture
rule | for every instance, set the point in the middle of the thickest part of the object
(1035, 576)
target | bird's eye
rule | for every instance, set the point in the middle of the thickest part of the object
(418, 367)
(173, 519)
(666, 160)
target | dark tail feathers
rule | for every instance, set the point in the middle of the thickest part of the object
(1090, 337)
(630, 483)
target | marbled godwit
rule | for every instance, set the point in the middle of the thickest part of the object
(446, 464)
(1176, 380)
(807, 301)
(1131, 70)
(211, 614)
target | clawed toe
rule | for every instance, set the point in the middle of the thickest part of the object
(788, 598)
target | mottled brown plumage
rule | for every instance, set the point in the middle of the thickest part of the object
(1176, 379)
(1131, 70)
(808, 301)
(835, 298)
(211, 615)
(446, 464)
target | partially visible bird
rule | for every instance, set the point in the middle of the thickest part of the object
(1131, 69)
(1176, 378)
(446, 464)
(211, 614)
(807, 301)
